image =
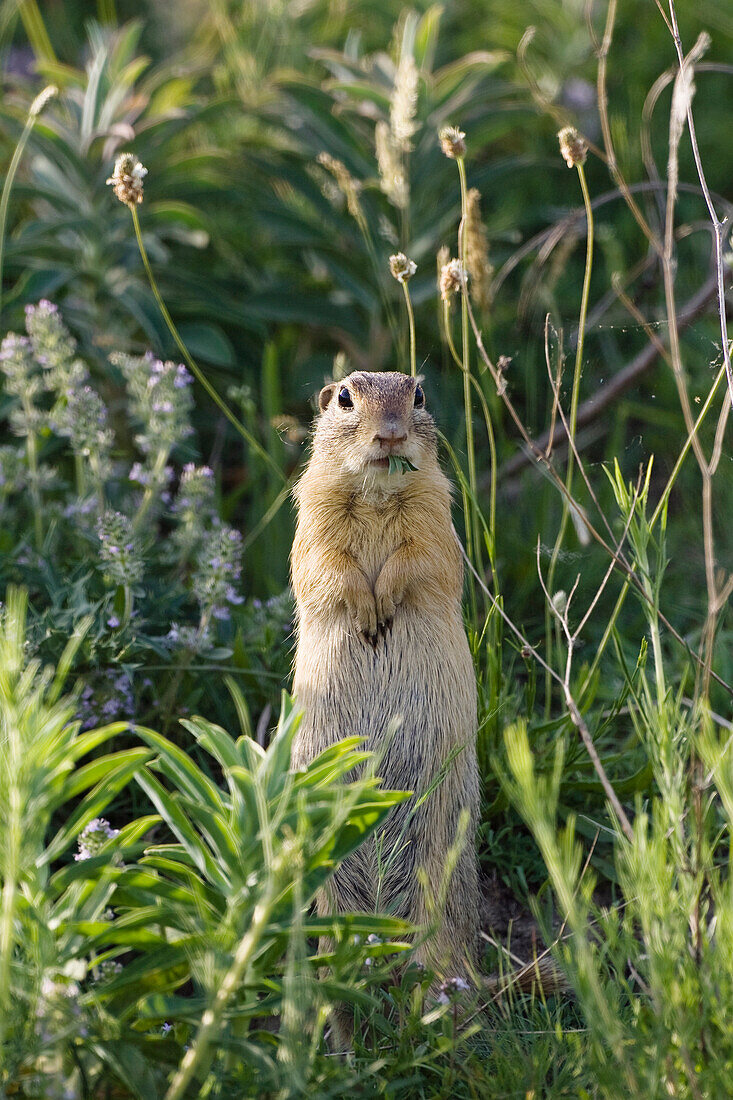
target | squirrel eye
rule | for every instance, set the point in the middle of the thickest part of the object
(419, 397)
(345, 398)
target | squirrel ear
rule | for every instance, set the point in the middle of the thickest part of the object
(325, 395)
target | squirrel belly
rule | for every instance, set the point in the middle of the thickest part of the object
(414, 720)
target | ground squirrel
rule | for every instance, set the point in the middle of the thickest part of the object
(377, 576)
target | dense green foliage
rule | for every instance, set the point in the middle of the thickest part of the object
(291, 150)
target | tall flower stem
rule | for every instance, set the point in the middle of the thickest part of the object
(577, 374)
(489, 432)
(190, 362)
(473, 537)
(35, 109)
(411, 323)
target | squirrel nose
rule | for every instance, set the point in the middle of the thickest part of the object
(389, 434)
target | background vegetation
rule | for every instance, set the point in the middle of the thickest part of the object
(291, 149)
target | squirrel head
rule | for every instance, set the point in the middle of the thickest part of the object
(368, 417)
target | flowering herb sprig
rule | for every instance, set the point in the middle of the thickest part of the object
(93, 837)
(161, 400)
(216, 574)
(22, 381)
(193, 507)
(54, 347)
(84, 421)
(218, 569)
(120, 553)
(26, 419)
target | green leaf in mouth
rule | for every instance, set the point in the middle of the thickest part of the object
(398, 464)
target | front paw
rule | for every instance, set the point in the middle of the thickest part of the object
(363, 613)
(386, 606)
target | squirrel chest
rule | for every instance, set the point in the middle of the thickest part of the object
(373, 530)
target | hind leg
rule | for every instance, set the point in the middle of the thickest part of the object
(451, 947)
(345, 893)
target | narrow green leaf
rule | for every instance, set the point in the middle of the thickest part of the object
(179, 768)
(214, 739)
(177, 821)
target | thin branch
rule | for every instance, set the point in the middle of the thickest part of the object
(718, 225)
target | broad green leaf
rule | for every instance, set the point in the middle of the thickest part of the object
(208, 342)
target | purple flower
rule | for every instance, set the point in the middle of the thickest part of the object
(93, 837)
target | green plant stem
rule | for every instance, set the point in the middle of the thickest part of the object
(577, 374)
(685, 450)
(8, 186)
(211, 1019)
(31, 446)
(128, 606)
(653, 619)
(81, 478)
(98, 481)
(191, 363)
(159, 465)
(411, 322)
(490, 435)
(472, 536)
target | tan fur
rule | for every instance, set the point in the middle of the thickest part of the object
(377, 577)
